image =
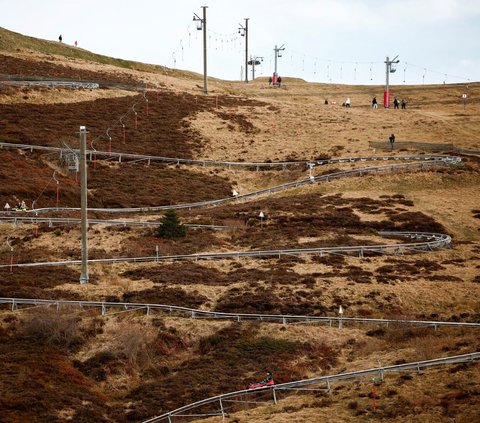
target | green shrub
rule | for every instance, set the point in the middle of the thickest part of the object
(171, 226)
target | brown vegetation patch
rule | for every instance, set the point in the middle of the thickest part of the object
(228, 357)
(196, 241)
(163, 132)
(22, 67)
(240, 120)
(25, 177)
(35, 282)
(403, 270)
(35, 365)
(135, 186)
(168, 296)
(267, 301)
(126, 185)
(135, 348)
(416, 221)
(330, 219)
(184, 273)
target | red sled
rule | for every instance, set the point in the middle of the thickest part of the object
(261, 384)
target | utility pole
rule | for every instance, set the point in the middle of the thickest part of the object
(243, 31)
(83, 195)
(278, 53)
(388, 70)
(202, 24)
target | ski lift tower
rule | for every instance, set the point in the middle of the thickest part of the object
(202, 26)
(254, 61)
(390, 66)
(278, 53)
(243, 31)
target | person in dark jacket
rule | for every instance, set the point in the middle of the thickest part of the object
(391, 138)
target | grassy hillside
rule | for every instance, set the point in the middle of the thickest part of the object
(76, 364)
(12, 42)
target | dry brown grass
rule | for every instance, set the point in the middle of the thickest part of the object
(158, 363)
(432, 117)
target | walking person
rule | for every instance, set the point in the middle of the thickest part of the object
(391, 138)
(374, 103)
(60, 38)
(404, 104)
(395, 103)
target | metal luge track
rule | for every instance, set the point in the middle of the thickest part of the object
(219, 404)
(130, 157)
(426, 241)
(443, 161)
(54, 84)
(51, 221)
(185, 312)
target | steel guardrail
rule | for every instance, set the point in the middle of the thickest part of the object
(54, 84)
(325, 381)
(192, 313)
(74, 221)
(122, 157)
(278, 188)
(432, 241)
(137, 86)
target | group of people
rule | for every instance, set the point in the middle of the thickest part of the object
(275, 80)
(396, 103)
(19, 207)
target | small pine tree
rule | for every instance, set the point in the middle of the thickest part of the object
(171, 226)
